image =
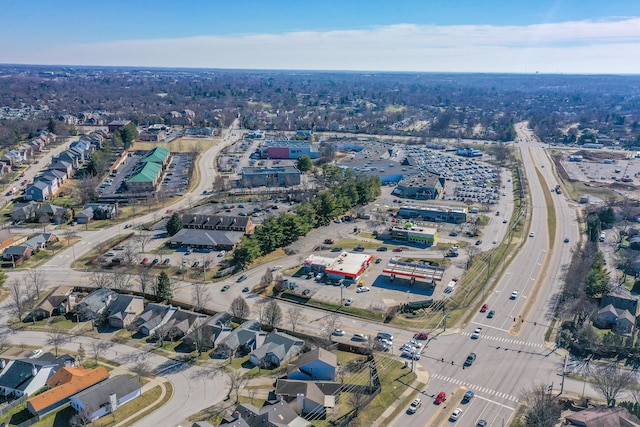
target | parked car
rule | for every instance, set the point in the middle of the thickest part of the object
(110, 254)
(195, 264)
(144, 261)
(358, 248)
(453, 234)
(245, 289)
(329, 241)
(336, 249)
(224, 288)
(362, 289)
(382, 249)
(378, 260)
(166, 261)
(306, 292)
(155, 261)
(119, 248)
(478, 242)
(397, 249)
(348, 302)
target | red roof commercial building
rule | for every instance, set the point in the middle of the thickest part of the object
(346, 266)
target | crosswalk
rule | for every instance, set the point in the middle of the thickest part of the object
(476, 388)
(504, 340)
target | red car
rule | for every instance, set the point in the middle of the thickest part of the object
(397, 250)
(441, 397)
(421, 336)
(144, 260)
(484, 308)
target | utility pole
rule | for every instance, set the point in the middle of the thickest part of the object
(564, 370)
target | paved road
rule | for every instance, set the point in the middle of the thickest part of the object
(507, 363)
(194, 388)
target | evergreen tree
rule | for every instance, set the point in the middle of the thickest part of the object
(174, 224)
(304, 163)
(163, 290)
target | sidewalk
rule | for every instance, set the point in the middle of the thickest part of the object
(422, 378)
(148, 386)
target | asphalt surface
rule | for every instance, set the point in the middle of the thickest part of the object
(506, 364)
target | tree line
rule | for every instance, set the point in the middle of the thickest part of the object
(345, 190)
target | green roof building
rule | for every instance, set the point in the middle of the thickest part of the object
(158, 155)
(145, 178)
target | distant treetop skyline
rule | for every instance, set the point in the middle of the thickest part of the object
(545, 36)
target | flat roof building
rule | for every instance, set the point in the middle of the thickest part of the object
(270, 176)
(346, 266)
(454, 215)
(423, 236)
(425, 186)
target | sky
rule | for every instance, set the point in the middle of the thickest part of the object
(495, 36)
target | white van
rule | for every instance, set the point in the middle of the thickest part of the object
(602, 236)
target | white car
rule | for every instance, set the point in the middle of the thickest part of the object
(455, 415)
(532, 234)
(338, 332)
(476, 334)
(414, 343)
(413, 407)
(514, 294)
(407, 347)
(363, 289)
(276, 267)
(348, 302)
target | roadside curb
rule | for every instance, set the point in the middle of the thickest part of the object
(152, 406)
(422, 379)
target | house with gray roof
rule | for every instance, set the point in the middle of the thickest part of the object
(41, 240)
(309, 397)
(23, 212)
(315, 365)
(106, 396)
(63, 166)
(26, 376)
(38, 191)
(183, 322)
(54, 213)
(617, 319)
(60, 300)
(242, 339)
(155, 316)
(17, 254)
(207, 333)
(124, 310)
(276, 349)
(278, 415)
(94, 305)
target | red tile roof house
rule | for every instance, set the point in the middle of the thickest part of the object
(64, 384)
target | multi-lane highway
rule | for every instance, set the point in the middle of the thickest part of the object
(508, 359)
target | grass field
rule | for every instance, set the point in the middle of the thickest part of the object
(180, 145)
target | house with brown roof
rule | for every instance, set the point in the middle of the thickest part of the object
(60, 301)
(6, 239)
(309, 397)
(603, 416)
(182, 323)
(64, 384)
(124, 310)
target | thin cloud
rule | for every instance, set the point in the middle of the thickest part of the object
(571, 47)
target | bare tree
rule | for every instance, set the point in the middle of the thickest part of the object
(100, 279)
(201, 337)
(56, 337)
(98, 347)
(237, 381)
(541, 407)
(472, 252)
(143, 239)
(239, 308)
(268, 277)
(295, 315)
(271, 314)
(610, 380)
(200, 296)
(69, 235)
(357, 400)
(36, 281)
(18, 299)
(145, 279)
(331, 322)
(81, 419)
(142, 369)
(130, 254)
(120, 280)
(87, 189)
